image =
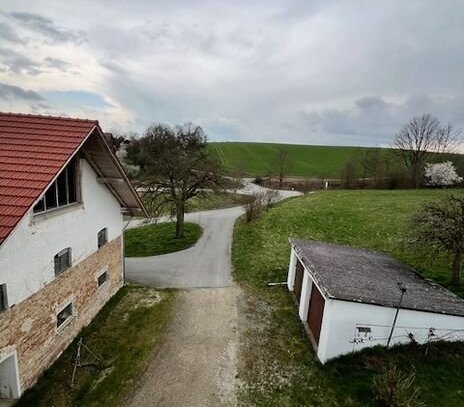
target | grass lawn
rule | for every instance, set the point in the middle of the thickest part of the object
(305, 161)
(123, 335)
(160, 238)
(211, 200)
(219, 200)
(281, 368)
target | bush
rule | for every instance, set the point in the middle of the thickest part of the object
(396, 389)
(260, 202)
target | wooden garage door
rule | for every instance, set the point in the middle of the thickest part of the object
(315, 312)
(299, 272)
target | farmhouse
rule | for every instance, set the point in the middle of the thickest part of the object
(351, 298)
(62, 195)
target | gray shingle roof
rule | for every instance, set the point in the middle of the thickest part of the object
(360, 275)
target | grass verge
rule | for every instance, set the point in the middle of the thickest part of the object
(123, 335)
(160, 238)
(278, 366)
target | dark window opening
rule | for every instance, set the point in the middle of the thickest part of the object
(102, 237)
(3, 298)
(64, 315)
(62, 261)
(102, 278)
(62, 192)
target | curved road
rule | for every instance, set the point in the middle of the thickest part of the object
(196, 363)
(207, 263)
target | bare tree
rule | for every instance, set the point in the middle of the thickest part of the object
(281, 163)
(175, 167)
(419, 138)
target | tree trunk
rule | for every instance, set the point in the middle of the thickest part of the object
(180, 209)
(457, 265)
(281, 179)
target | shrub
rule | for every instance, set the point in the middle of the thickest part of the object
(393, 388)
(259, 202)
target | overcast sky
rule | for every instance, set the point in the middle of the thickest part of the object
(310, 72)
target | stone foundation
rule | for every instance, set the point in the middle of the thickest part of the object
(30, 327)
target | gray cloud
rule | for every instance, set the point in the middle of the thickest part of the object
(57, 63)
(47, 27)
(17, 63)
(374, 121)
(10, 92)
(7, 33)
(325, 71)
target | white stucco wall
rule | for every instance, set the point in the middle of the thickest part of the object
(339, 334)
(26, 257)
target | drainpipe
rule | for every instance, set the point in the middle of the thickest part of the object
(123, 250)
(403, 290)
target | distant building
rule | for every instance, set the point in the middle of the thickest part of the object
(348, 299)
(62, 195)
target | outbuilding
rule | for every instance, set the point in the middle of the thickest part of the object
(351, 298)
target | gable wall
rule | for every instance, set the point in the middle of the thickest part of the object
(26, 257)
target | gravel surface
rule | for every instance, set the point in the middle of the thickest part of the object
(196, 364)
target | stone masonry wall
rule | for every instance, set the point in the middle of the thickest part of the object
(30, 326)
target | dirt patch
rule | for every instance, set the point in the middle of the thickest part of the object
(197, 361)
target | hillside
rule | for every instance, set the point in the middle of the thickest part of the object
(305, 161)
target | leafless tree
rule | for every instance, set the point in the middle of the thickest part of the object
(175, 167)
(422, 136)
(281, 163)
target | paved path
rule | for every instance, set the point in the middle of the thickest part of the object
(196, 363)
(206, 264)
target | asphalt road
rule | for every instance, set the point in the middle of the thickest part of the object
(206, 264)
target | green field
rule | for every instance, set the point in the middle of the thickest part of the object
(304, 161)
(280, 366)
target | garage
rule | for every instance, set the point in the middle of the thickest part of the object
(351, 298)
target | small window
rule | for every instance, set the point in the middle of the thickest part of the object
(3, 298)
(102, 237)
(102, 278)
(62, 261)
(64, 315)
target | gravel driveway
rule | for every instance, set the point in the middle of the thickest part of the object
(196, 363)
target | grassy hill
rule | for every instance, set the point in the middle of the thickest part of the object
(305, 161)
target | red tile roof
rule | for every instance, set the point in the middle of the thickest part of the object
(33, 149)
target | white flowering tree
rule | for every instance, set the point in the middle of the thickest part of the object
(441, 174)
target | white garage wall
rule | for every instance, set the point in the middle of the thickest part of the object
(26, 257)
(341, 318)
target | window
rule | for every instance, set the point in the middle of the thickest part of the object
(64, 315)
(102, 237)
(62, 192)
(62, 261)
(102, 278)
(3, 298)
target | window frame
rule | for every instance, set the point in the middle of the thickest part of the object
(42, 202)
(66, 321)
(67, 250)
(3, 298)
(103, 273)
(104, 232)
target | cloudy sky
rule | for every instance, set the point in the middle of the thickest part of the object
(310, 72)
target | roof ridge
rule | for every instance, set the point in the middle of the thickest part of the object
(13, 114)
